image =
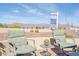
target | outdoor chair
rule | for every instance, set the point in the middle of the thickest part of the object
(60, 39)
(18, 43)
(72, 53)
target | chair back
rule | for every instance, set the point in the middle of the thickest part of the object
(59, 36)
(16, 39)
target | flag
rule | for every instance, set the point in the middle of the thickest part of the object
(53, 21)
(53, 18)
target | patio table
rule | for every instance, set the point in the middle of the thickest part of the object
(46, 47)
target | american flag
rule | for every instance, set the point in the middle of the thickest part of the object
(53, 18)
(53, 21)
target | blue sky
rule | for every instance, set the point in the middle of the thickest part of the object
(30, 13)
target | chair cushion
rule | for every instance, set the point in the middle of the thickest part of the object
(24, 49)
(58, 33)
(60, 39)
(67, 45)
(18, 41)
(16, 33)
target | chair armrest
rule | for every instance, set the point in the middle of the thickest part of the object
(57, 46)
(12, 49)
(31, 42)
(52, 41)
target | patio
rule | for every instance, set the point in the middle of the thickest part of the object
(38, 42)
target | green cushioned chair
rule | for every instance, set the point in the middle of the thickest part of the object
(60, 38)
(18, 42)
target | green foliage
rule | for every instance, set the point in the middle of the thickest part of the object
(14, 26)
(11, 26)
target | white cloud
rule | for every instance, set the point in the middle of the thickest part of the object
(15, 11)
(30, 10)
(35, 11)
(13, 19)
(24, 6)
(49, 7)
